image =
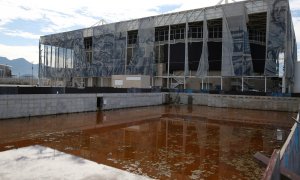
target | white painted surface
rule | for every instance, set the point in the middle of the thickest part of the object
(133, 78)
(119, 82)
(38, 162)
(130, 81)
(127, 100)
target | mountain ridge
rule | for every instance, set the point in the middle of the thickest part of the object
(20, 66)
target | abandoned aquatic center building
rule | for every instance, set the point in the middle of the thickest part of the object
(248, 45)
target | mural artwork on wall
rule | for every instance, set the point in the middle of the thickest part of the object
(236, 58)
(276, 35)
(143, 52)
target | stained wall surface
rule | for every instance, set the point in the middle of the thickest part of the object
(239, 101)
(12, 106)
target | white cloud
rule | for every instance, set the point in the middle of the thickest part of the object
(64, 14)
(58, 16)
(17, 33)
(295, 4)
(296, 23)
(30, 53)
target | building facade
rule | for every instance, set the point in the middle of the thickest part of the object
(247, 45)
(5, 71)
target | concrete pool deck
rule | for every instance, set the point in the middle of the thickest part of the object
(39, 162)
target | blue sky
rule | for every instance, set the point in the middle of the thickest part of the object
(22, 22)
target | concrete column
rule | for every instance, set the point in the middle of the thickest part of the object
(242, 83)
(90, 82)
(40, 60)
(152, 81)
(186, 54)
(169, 52)
(283, 84)
(265, 83)
(221, 83)
(159, 52)
(125, 66)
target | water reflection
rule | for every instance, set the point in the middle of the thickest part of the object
(165, 142)
(100, 117)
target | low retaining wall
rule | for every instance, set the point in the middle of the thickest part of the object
(15, 106)
(126, 100)
(238, 101)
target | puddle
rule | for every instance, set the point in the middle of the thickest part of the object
(161, 142)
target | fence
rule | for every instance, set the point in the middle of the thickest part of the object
(67, 90)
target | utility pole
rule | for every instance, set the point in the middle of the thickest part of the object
(32, 73)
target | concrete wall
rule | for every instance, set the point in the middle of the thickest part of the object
(126, 100)
(235, 101)
(12, 106)
(130, 81)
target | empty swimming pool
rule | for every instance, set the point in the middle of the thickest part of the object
(162, 142)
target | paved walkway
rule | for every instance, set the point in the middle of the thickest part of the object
(39, 162)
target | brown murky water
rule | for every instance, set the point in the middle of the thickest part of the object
(162, 142)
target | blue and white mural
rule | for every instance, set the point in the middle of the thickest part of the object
(120, 50)
(109, 50)
(63, 55)
(277, 15)
(143, 52)
(236, 54)
(291, 49)
(281, 40)
(203, 66)
(103, 50)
